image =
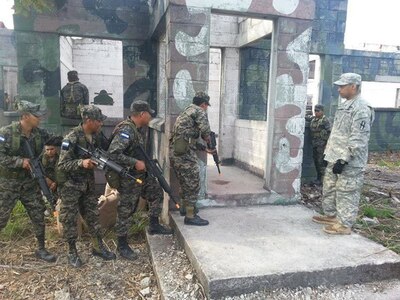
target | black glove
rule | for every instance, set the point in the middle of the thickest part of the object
(338, 166)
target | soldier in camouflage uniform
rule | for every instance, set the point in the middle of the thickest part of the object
(320, 129)
(74, 95)
(50, 160)
(16, 182)
(346, 154)
(78, 189)
(124, 151)
(190, 125)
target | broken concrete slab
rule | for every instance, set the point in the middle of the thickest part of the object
(247, 249)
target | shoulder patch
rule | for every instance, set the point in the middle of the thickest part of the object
(124, 135)
(2, 139)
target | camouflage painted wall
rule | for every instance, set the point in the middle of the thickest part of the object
(8, 58)
(188, 24)
(39, 53)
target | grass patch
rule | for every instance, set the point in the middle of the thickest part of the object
(140, 222)
(18, 226)
(373, 212)
(390, 164)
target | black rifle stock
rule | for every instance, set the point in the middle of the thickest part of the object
(154, 169)
(37, 172)
(212, 145)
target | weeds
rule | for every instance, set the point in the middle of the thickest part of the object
(18, 226)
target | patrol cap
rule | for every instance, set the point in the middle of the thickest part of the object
(203, 96)
(348, 78)
(72, 75)
(92, 112)
(26, 107)
(140, 105)
(319, 107)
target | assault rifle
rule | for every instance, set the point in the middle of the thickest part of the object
(154, 169)
(37, 172)
(101, 159)
(212, 145)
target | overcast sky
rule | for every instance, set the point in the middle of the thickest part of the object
(368, 21)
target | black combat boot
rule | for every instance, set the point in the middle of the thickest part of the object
(156, 228)
(100, 250)
(124, 250)
(73, 257)
(42, 253)
(193, 219)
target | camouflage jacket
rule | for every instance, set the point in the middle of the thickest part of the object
(350, 133)
(191, 124)
(320, 129)
(70, 162)
(12, 150)
(73, 96)
(124, 144)
(50, 166)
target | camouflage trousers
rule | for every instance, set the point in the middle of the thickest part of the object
(76, 200)
(187, 171)
(341, 193)
(129, 194)
(28, 192)
(318, 156)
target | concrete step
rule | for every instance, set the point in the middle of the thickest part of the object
(247, 249)
(237, 187)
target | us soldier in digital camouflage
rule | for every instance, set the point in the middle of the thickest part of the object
(320, 129)
(74, 95)
(346, 153)
(124, 151)
(191, 124)
(77, 189)
(16, 182)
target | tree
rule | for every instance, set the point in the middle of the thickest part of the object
(25, 7)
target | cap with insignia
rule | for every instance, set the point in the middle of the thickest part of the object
(92, 112)
(140, 105)
(204, 96)
(348, 78)
(26, 107)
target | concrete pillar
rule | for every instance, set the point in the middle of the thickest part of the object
(186, 65)
(287, 105)
(229, 102)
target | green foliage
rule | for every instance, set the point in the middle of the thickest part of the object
(389, 164)
(373, 212)
(25, 7)
(140, 221)
(18, 226)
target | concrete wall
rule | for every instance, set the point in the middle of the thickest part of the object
(250, 145)
(214, 89)
(66, 58)
(99, 65)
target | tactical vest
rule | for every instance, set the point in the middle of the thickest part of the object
(71, 108)
(15, 151)
(113, 178)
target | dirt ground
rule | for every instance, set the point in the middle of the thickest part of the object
(24, 277)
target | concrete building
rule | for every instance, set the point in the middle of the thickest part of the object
(252, 57)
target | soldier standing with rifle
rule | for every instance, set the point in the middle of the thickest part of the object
(78, 191)
(190, 125)
(125, 150)
(16, 182)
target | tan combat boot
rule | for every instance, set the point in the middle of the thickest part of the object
(337, 229)
(325, 220)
